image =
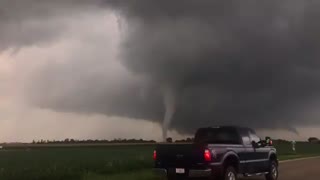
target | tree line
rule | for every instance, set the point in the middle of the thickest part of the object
(168, 140)
(104, 141)
(91, 141)
(188, 140)
(314, 140)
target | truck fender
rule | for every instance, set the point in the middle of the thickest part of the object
(231, 154)
(227, 154)
(273, 156)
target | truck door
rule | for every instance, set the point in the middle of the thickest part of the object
(259, 156)
(245, 155)
(249, 160)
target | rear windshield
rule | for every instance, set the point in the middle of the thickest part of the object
(217, 136)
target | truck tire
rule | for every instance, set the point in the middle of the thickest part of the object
(273, 172)
(230, 173)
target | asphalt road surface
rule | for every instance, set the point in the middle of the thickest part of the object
(307, 169)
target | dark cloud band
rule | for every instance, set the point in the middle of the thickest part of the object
(208, 62)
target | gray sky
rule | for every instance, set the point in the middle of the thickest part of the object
(82, 51)
(73, 69)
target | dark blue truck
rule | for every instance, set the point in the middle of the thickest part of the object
(218, 153)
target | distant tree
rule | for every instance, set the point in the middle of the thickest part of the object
(279, 141)
(169, 140)
(33, 142)
(313, 140)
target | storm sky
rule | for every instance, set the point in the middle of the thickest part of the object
(106, 69)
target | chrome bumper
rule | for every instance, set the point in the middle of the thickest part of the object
(192, 173)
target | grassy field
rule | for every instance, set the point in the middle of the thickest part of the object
(99, 163)
(72, 163)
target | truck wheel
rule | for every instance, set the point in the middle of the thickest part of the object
(230, 173)
(273, 172)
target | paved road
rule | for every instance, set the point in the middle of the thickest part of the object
(307, 169)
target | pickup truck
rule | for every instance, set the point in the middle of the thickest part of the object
(224, 153)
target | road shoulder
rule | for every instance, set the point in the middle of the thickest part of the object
(299, 159)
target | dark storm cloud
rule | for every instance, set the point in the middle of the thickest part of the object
(233, 62)
(245, 63)
(56, 86)
(101, 89)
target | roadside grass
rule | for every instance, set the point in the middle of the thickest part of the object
(303, 150)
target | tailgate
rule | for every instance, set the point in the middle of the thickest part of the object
(179, 156)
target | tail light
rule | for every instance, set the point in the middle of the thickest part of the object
(154, 155)
(207, 155)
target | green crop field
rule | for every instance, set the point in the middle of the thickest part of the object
(98, 162)
(72, 163)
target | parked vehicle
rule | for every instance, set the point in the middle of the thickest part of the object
(219, 153)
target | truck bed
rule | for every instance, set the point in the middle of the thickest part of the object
(179, 156)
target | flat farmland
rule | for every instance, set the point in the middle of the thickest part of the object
(72, 162)
(98, 161)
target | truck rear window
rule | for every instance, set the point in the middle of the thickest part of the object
(217, 136)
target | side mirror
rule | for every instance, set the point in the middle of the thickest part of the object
(267, 137)
(263, 143)
(269, 141)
